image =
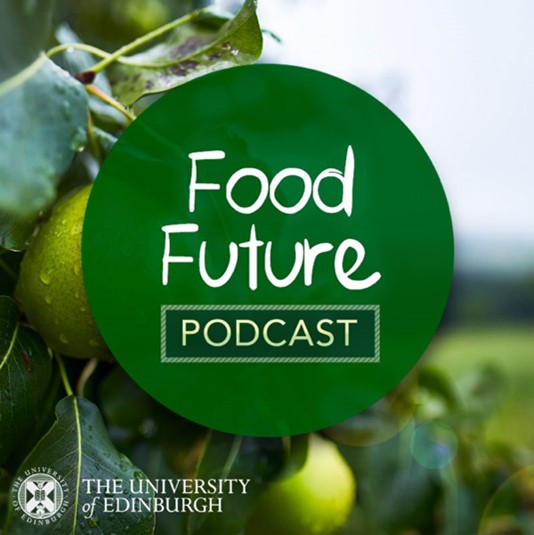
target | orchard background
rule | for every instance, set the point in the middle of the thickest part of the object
(450, 451)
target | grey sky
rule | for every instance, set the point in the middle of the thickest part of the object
(460, 74)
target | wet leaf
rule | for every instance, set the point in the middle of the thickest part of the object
(25, 380)
(15, 232)
(226, 456)
(77, 447)
(207, 43)
(43, 122)
(24, 28)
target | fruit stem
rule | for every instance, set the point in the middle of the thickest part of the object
(86, 374)
(63, 373)
(147, 38)
(97, 92)
(93, 50)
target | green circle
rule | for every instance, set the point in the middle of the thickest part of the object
(270, 118)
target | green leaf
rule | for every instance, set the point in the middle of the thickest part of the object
(43, 122)
(482, 391)
(75, 61)
(153, 460)
(124, 404)
(77, 447)
(9, 271)
(5, 483)
(24, 29)
(105, 140)
(25, 379)
(228, 456)
(15, 232)
(33, 151)
(207, 43)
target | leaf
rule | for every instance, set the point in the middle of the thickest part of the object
(24, 29)
(34, 151)
(482, 391)
(75, 61)
(152, 459)
(207, 43)
(9, 271)
(124, 404)
(105, 140)
(228, 456)
(43, 122)
(5, 482)
(15, 232)
(387, 417)
(131, 414)
(25, 379)
(77, 447)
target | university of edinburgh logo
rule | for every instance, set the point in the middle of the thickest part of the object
(41, 495)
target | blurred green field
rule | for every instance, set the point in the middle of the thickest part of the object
(509, 350)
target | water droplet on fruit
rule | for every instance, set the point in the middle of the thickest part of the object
(63, 339)
(76, 270)
(94, 343)
(45, 277)
(48, 299)
(83, 309)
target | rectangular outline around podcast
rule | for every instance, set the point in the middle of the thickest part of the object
(270, 360)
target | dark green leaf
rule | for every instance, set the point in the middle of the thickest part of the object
(207, 43)
(5, 482)
(77, 447)
(43, 122)
(123, 403)
(14, 232)
(9, 271)
(25, 379)
(24, 28)
(228, 456)
(153, 460)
